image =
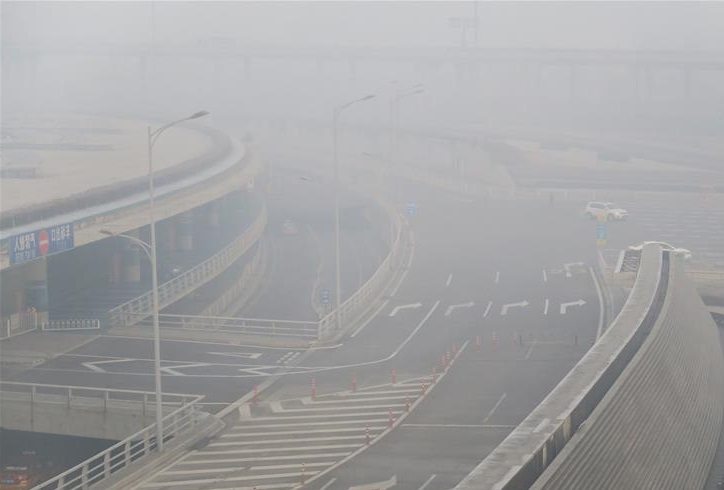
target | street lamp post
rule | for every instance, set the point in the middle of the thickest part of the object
(394, 102)
(335, 158)
(150, 249)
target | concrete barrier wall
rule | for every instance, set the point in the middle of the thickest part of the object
(659, 425)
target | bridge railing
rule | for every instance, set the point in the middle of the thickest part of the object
(20, 323)
(135, 310)
(355, 306)
(134, 448)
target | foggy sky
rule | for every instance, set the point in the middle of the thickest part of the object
(608, 25)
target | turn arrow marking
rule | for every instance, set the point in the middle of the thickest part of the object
(564, 306)
(568, 266)
(462, 305)
(405, 307)
(504, 310)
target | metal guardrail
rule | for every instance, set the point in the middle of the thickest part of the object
(133, 311)
(20, 323)
(135, 447)
(71, 324)
(246, 326)
(355, 305)
(232, 294)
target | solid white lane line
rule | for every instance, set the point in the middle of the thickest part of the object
(284, 441)
(600, 303)
(449, 280)
(490, 414)
(497, 277)
(249, 425)
(282, 449)
(223, 480)
(545, 308)
(261, 458)
(288, 466)
(198, 471)
(399, 388)
(487, 309)
(427, 482)
(297, 432)
(545, 276)
(326, 485)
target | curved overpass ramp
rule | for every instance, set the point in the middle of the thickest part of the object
(643, 409)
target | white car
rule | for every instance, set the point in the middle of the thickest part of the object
(684, 253)
(604, 211)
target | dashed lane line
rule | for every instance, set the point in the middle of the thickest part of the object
(427, 482)
(492, 411)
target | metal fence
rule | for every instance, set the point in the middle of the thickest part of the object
(20, 323)
(133, 311)
(134, 448)
(71, 324)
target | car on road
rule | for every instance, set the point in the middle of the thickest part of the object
(289, 228)
(684, 253)
(604, 211)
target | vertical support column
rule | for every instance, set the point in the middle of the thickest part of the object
(131, 260)
(116, 271)
(185, 232)
(36, 289)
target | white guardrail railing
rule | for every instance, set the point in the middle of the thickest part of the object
(142, 444)
(133, 311)
(351, 309)
(71, 324)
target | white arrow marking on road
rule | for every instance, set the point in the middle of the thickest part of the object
(568, 266)
(504, 310)
(172, 370)
(462, 305)
(564, 306)
(497, 277)
(449, 280)
(545, 276)
(487, 309)
(411, 306)
(545, 308)
(244, 355)
(381, 485)
(93, 366)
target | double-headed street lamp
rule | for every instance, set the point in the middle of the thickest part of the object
(335, 158)
(394, 102)
(150, 249)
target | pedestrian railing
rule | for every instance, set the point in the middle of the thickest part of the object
(71, 324)
(20, 323)
(135, 310)
(135, 448)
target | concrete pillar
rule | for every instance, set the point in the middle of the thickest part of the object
(185, 231)
(36, 285)
(131, 260)
(116, 272)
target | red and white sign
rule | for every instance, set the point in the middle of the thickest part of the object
(43, 242)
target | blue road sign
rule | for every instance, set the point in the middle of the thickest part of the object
(34, 244)
(324, 296)
(411, 209)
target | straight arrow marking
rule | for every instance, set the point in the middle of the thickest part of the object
(564, 306)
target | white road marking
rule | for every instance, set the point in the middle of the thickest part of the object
(600, 303)
(497, 277)
(338, 399)
(173, 370)
(568, 266)
(225, 480)
(231, 435)
(284, 441)
(280, 409)
(459, 426)
(281, 449)
(308, 424)
(530, 349)
(521, 304)
(244, 355)
(93, 366)
(199, 471)
(326, 485)
(545, 308)
(200, 462)
(545, 276)
(290, 466)
(380, 485)
(487, 309)
(490, 414)
(565, 306)
(449, 280)
(451, 308)
(337, 415)
(427, 482)
(411, 306)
